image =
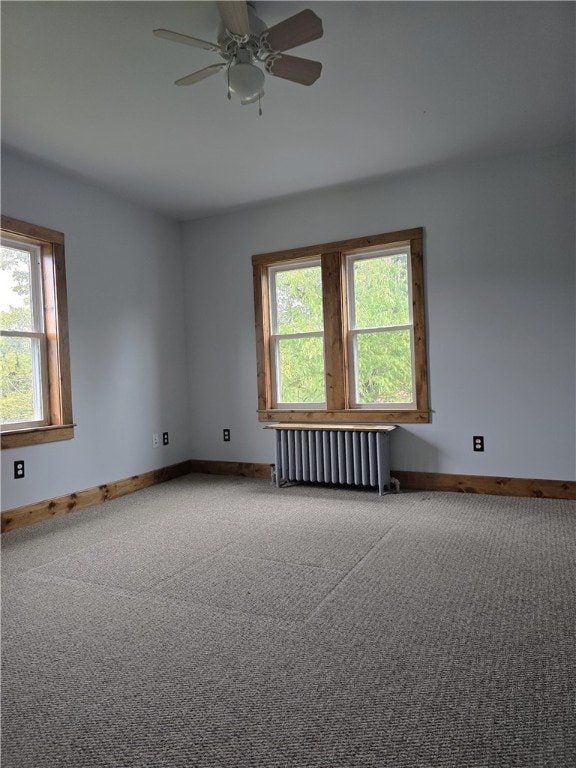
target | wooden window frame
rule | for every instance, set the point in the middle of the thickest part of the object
(60, 419)
(339, 408)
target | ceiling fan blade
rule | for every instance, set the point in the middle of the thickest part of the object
(234, 14)
(195, 77)
(303, 71)
(296, 30)
(176, 37)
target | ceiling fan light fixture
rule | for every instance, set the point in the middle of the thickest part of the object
(246, 81)
(252, 99)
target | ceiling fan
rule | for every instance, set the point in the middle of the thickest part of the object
(244, 41)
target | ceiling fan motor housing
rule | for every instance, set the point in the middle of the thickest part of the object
(231, 43)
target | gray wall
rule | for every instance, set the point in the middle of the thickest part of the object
(162, 320)
(127, 335)
(499, 259)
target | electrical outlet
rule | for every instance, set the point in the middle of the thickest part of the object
(165, 440)
(18, 470)
(155, 441)
(226, 435)
(478, 442)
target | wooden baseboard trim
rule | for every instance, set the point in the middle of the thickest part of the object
(409, 481)
(244, 469)
(495, 486)
(424, 481)
(62, 505)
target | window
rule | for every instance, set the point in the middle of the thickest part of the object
(340, 331)
(297, 337)
(380, 329)
(23, 340)
(35, 395)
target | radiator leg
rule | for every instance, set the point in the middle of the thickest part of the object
(395, 484)
(278, 466)
(383, 458)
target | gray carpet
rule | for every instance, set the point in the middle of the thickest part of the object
(216, 622)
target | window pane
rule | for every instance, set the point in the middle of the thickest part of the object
(381, 291)
(16, 291)
(20, 398)
(384, 365)
(301, 370)
(298, 300)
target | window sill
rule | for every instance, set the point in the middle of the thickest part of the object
(359, 416)
(37, 435)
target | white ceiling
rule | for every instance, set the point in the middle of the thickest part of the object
(87, 87)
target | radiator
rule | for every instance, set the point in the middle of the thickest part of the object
(337, 455)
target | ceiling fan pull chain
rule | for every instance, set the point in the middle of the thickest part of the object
(228, 79)
(259, 105)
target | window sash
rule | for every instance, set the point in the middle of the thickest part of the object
(36, 292)
(353, 370)
(275, 340)
(272, 275)
(40, 392)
